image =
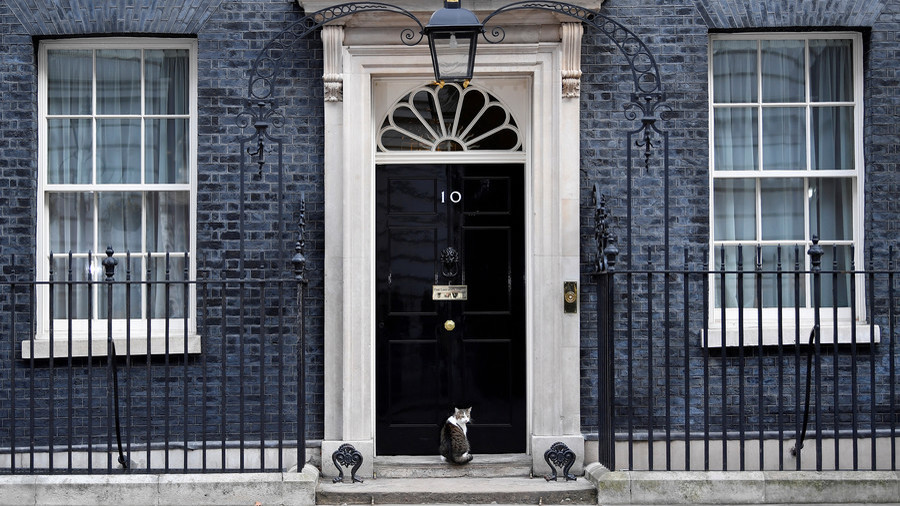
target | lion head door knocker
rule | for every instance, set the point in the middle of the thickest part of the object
(450, 262)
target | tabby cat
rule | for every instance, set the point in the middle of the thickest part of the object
(454, 444)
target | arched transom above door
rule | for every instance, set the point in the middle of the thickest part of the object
(448, 118)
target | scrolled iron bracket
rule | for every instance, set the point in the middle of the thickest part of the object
(346, 455)
(261, 114)
(560, 455)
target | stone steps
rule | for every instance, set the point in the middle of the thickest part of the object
(462, 490)
(488, 479)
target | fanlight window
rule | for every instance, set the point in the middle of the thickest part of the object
(449, 118)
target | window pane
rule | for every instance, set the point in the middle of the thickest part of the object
(166, 299)
(69, 81)
(791, 284)
(784, 138)
(120, 221)
(835, 284)
(832, 138)
(735, 210)
(123, 307)
(61, 291)
(118, 81)
(118, 151)
(734, 74)
(69, 145)
(166, 75)
(782, 209)
(71, 226)
(451, 53)
(736, 138)
(782, 70)
(168, 226)
(406, 120)
(831, 209)
(831, 70)
(739, 280)
(166, 150)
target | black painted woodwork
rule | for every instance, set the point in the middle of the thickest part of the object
(423, 370)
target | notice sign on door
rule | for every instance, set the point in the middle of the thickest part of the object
(450, 292)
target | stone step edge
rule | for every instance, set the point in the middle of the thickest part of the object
(517, 490)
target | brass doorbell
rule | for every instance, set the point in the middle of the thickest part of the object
(570, 296)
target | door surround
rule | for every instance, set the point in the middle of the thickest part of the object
(552, 234)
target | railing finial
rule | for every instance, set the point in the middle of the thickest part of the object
(110, 263)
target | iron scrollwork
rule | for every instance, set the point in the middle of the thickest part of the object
(260, 114)
(644, 69)
(607, 251)
(652, 106)
(266, 67)
(560, 455)
(346, 455)
(299, 258)
(261, 109)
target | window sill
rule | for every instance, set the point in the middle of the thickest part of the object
(713, 337)
(139, 346)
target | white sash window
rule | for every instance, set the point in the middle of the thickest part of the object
(117, 169)
(786, 165)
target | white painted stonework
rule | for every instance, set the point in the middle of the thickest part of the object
(526, 73)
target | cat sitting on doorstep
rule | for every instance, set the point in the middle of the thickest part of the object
(454, 444)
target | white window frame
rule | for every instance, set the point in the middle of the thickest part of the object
(128, 334)
(767, 327)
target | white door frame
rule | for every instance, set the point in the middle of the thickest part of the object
(552, 241)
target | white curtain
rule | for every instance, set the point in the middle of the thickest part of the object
(166, 162)
(134, 221)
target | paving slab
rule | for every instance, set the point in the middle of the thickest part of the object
(635, 488)
(124, 490)
(865, 487)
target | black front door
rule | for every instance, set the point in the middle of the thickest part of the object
(450, 281)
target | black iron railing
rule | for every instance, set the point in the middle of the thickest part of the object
(707, 370)
(212, 379)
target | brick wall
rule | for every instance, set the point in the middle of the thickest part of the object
(677, 33)
(231, 33)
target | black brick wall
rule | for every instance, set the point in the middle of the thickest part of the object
(231, 33)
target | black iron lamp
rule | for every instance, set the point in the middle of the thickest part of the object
(452, 36)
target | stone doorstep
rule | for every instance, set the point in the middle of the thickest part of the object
(431, 466)
(462, 490)
(744, 487)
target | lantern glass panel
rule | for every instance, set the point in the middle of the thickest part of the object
(452, 53)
